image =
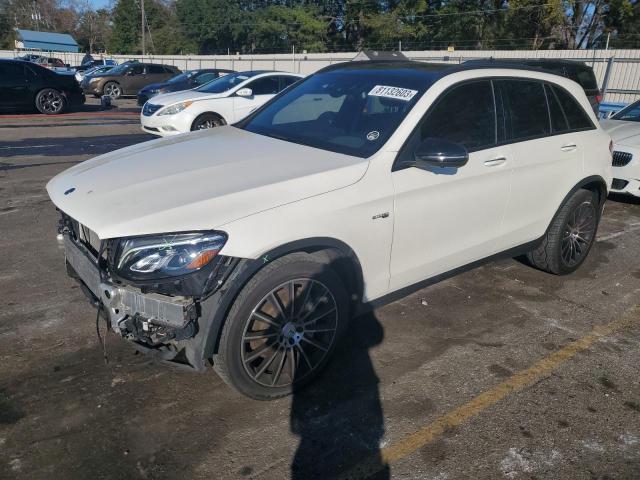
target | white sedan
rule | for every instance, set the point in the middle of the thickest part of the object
(223, 101)
(624, 128)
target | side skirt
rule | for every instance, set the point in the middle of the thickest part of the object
(403, 292)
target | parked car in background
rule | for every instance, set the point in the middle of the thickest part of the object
(250, 246)
(577, 71)
(95, 63)
(92, 71)
(624, 128)
(25, 85)
(220, 102)
(127, 79)
(184, 81)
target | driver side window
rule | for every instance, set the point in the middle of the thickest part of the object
(464, 114)
(136, 70)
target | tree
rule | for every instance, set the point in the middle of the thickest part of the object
(278, 28)
(125, 35)
(213, 25)
(94, 29)
(534, 23)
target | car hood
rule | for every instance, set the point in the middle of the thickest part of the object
(182, 96)
(623, 132)
(196, 181)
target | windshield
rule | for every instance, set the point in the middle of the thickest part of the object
(223, 84)
(181, 77)
(630, 113)
(117, 70)
(351, 111)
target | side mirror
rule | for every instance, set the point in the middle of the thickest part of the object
(437, 152)
(244, 92)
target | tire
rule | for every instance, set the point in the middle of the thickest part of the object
(112, 89)
(269, 359)
(570, 236)
(207, 120)
(50, 101)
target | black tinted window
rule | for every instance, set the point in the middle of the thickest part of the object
(137, 69)
(11, 72)
(265, 86)
(558, 119)
(526, 106)
(576, 116)
(465, 115)
(156, 69)
(286, 81)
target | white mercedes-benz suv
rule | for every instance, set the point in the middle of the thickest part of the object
(248, 247)
(222, 101)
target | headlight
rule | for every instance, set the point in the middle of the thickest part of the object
(168, 255)
(173, 109)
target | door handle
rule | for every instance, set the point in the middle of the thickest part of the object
(494, 162)
(569, 147)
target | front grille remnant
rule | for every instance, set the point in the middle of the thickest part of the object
(620, 159)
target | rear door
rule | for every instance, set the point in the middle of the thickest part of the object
(157, 74)
(547, 155)
(263, 89)
(14, 85)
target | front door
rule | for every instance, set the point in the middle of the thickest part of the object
(444, 217)
(262, 90)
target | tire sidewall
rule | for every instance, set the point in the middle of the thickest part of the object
(202, 117)
(233, 329)
(104, 90)
(62, 104)
(580, 197)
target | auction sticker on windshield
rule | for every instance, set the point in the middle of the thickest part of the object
(392, 92)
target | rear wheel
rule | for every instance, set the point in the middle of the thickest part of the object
(112, 89)
(50, 101)
(570, 237)
(282, 328)
(207, 120)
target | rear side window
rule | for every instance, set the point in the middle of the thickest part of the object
(156, 69)
(285, 81)
(265, 86)
(559, 121)
(576, 116)
(526, 105)
(465, 115)
(12, 72)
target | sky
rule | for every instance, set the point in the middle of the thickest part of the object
(99, 3)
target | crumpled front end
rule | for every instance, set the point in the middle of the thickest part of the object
(162, 317)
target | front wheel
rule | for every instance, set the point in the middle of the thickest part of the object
(282, 328)
(207, 120)
(113, 90)
(570, 237)
(50, 101)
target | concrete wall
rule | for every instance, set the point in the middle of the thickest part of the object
(623, 85)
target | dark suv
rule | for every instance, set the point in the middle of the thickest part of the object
(127, 79)
(579, 72)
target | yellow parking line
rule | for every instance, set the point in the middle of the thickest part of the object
(520, 380)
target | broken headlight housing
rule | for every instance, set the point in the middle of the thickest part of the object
(167, 255)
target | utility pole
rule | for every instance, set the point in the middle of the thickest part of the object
(142, 24)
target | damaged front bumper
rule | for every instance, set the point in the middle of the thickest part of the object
(175, 328)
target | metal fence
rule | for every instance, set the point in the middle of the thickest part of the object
(617, 71)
